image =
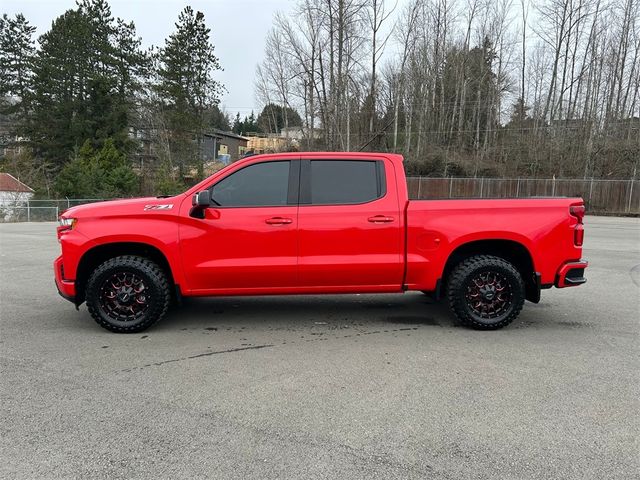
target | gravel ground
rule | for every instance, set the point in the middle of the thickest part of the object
(322, 387)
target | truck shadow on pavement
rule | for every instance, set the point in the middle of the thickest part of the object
(295, 312)
(299, 313)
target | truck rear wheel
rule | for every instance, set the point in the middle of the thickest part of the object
(127, 294)
(485, 292)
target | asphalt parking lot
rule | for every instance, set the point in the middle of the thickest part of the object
(322, 387)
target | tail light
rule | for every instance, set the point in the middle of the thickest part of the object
(578, 211)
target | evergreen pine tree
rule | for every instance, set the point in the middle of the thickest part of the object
(17, 52)
(187, 87)
(85, 77)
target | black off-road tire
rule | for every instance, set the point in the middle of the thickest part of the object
(157, 293)
(461, 287)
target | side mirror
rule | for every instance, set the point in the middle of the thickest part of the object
(201, 199)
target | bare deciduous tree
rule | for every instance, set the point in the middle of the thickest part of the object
(463, 86)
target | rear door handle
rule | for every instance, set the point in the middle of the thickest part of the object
(278, 221)
(381, 219)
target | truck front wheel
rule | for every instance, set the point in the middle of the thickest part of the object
(127, 294)
(485, 292)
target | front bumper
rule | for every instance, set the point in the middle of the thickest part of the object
(66, 288)
(571, 274)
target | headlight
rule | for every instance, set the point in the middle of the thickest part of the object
(66, 223)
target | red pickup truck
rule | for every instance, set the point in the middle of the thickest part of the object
(311, 223)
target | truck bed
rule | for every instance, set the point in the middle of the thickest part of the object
(437, 227)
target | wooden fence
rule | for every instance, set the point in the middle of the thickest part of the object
(614, 197)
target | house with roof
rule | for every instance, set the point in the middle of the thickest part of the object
(214, 145)
(223, 146)
(13, 195)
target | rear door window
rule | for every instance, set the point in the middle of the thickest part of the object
(340, 182)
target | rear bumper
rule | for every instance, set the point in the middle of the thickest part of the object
(571, 274)
(66, 288)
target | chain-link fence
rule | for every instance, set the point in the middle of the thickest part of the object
(39, 210)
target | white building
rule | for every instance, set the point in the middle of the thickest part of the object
(14, 196)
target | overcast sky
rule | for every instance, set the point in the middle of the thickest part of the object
(238, 30)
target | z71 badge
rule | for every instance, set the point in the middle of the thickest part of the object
(167, 206)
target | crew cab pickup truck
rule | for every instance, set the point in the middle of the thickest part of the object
(312, 223)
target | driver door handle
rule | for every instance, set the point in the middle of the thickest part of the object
(278, 221)
(381, 219)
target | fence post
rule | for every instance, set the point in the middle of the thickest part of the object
(57, 213)
(481, 186)
(518, 188)
(68, 205)
(553, 187)
(450, 186)
(590, 189)
(419, 185)
(28, 211)
(630, 195)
